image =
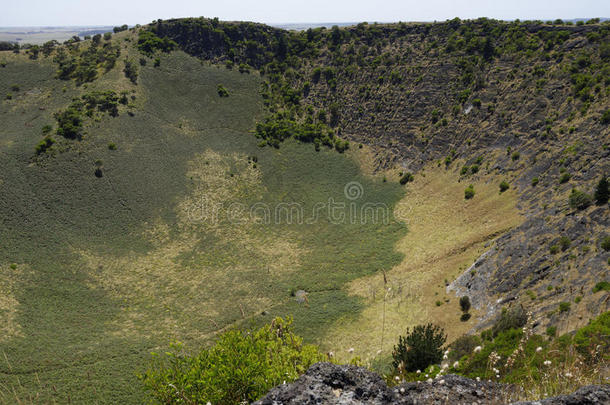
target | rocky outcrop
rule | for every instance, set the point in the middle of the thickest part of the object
(326, 383)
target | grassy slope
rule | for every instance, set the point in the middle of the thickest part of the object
(110, 269)
(446, 234)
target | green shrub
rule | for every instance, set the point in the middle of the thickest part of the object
(465, 317)
(107, 36)
(44, 145)
(601, 286)
(606, 243)
(512, 318)
(13, 266)
(465, 170)
(564, 243)
(515, 156)
(504, 186)
(149, 42)
(240, 367)
(564, 306)
(112, 146)
(69, 123)
(462, 346)
(605, 119)
(593, 340)
(474, 169)
(465, 303)
(535, 181)
(9, 96)
(131, 71)
(341, 145)
(469, 192)
(551, 331)
(554, 249)
(602, 191)
(564, 178)
(406, 178)
(579, 200)
(421, 347)
(222, 91)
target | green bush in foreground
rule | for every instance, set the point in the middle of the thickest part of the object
(421, 347)
(240, 367)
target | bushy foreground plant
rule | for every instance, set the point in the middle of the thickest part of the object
(240, 367)
(539, 366)
(421, 347)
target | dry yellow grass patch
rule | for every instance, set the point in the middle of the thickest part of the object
(168, 297)
(9, 327)
(446, 234)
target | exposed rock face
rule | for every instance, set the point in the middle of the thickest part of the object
(326, 383)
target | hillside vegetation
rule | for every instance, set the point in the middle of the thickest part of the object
(129, 164)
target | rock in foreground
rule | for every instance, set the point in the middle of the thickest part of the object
(326, 383)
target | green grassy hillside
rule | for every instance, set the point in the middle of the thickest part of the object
(99, 272)
(154, 187)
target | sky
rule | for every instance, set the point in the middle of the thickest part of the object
(117, 12)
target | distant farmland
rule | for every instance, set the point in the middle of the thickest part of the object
(40, 35)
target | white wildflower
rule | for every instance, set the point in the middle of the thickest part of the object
(397, 378)
(569, 375)
(456, 364)
(478, 378)
(351, 350)
(418, 371)
(477, 349)
(429, 380)
(538, 349)
(547, 362)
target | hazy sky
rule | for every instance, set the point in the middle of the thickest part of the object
(114, 12)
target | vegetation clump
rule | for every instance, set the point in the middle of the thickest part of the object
(420, 348)
(602, 191)
(239, 368)
(601, 286)
(149, 43)
(579, 200)
(222, 91)
(131, 71)
(469, 192)
(406, 178)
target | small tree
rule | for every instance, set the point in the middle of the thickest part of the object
(602, 191)
(469, 192)
(465, 303)
(421, 347)
(504, 186)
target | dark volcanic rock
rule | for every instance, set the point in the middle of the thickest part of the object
(589, 395)
(326, 383)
